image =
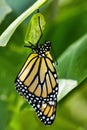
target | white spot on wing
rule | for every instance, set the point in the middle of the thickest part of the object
(51, 102)
(44, 105)
(52, 117)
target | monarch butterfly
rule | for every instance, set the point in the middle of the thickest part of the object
(38, 83)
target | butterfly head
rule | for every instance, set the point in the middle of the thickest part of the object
(41, 49)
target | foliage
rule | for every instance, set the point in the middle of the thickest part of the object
(33, 32)
(4, 9)
(66, 29)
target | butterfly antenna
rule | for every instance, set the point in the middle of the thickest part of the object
(31, 45)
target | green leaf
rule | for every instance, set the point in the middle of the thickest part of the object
(4, 10)
(6, 35)
(72, 66)
(65, 86)
(33, 32)
(3, 113)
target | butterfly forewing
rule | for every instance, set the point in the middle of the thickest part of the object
(37, 82)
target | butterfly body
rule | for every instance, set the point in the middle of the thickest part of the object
(38, 83)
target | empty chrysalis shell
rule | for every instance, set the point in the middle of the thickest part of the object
(33, 31)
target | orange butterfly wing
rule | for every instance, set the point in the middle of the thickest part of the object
(38, 83)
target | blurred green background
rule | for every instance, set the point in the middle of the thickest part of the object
(66, 23)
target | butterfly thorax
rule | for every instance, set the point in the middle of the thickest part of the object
(42, 49)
